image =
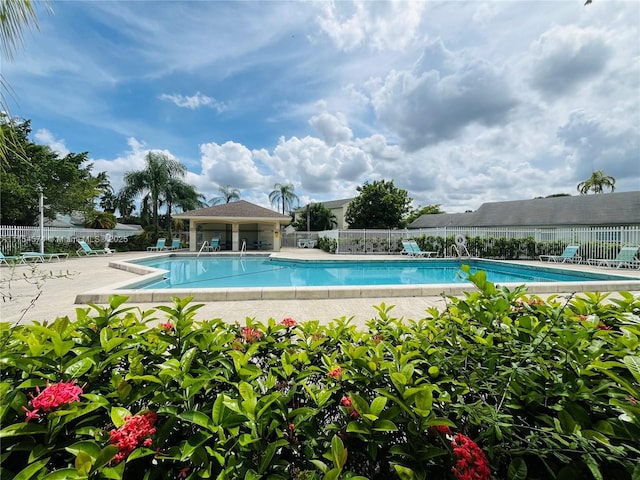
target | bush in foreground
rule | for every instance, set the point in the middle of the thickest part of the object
(500, 384)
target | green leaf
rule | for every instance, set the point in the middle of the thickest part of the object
(357, 427)
(104, 457)
(338, 452)
(378, 405)
(592, 465)
(118, 415)
(77, 369)
(88, 447)
(31, 470)
(517, 469)
(193, 442)
(246, 391)
(404, 473)
(633, 364)
(83, 463)
(198, 418)
(384, 426)
(64, 474)
(18, 429)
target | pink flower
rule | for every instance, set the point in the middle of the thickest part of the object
(31, 415)
(335, 373)
(471, 462)
(136, 428)
(250, 334)
(53, 396)
(167, 326)
(289, 322)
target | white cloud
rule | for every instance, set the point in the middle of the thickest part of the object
(195, 101)
(45, 137)
(332, 128)
(230, 164)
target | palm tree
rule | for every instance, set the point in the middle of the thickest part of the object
(228, 194)
(183, 196)
(283, 193)
(596, 183)
(153, 180)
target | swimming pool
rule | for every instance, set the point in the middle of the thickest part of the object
(204, 278)
(246, 272)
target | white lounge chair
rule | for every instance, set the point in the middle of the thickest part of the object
(570, 255)
(626, 258)
(85, 249)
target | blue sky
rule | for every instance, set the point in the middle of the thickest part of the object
(459, 103)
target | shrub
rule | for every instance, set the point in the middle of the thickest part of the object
(498, 382)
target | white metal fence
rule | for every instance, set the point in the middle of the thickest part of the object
(525, 243)
(14, 238)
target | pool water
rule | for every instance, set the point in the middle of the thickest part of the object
(263, 271)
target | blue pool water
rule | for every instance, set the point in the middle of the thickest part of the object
(263, 271)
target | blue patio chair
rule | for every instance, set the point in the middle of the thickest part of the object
(626, 258)
(570, 255)
(159, 246)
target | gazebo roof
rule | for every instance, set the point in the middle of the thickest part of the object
(239, 210)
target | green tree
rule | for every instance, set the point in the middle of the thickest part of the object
(228, 194)
(183, 196)
(95, 219)
(428, 210)
(379, 205)
(283, 194)
(320, 218)
(153, 180)
(66, 182)
(596, 183)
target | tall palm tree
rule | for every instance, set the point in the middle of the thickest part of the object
(153, 180)
(596, 183)
(228, 194)
(183, 196)
(283, 193)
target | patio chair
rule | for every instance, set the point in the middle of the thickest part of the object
(418, 252)
(176, 244)
(407, 249)
(37, 256)
(12, 259)
(625, 258)
(159, 246)
(85, 249)
(570, 255)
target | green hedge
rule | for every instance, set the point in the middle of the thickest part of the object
(536, 389)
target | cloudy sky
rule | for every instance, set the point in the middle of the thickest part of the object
(459, 103)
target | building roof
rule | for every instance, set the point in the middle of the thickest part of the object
(621, 208)
(239, 209)
(329, 204)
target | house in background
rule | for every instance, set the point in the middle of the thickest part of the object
(599, 210)
(337, 207)
(234, 223)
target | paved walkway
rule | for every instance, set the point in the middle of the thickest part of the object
(42, 292)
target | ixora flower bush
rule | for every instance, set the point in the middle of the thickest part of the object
(499, 385)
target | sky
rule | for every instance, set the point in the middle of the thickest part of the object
(459, 103)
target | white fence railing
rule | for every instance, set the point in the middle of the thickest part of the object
(595, 242)
(14, 238)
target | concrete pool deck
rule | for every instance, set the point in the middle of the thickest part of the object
(28, 296)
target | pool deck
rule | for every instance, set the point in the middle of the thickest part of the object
(42, 292)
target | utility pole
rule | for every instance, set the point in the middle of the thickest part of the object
(41, 221)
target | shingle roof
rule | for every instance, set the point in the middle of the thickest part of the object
(239, 209)
(621, 208)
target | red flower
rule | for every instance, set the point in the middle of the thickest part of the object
(471, 464)
(442, 429)
(289, 322)
(250, 334)
(346, 401)
(335, 373)
(30, 415)
(129, 435)
(348, 404)
(53, 396)
(167, 326)
(184, 472)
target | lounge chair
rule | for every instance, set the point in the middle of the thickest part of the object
(37, 256)
(418, 252)
(570, 255)
(176, 244)
(407, 249)
(160, 245)
(625, 258)
(85, 249)
(12, 259)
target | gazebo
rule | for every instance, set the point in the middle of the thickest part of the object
(235, 223)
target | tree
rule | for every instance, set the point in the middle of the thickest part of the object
(153, 180)
(283, 193)
(428, 210)
(228, 194)
(320, 218)
(95, 219)
(66, 182)
(596, 183)
(379, 205)
(183, 196)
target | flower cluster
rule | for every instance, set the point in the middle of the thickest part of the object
(335, 373)
(289, 322)
(348, 404)
(167, 326)
(250, 334)
(434, 430)
(136, 429)
(471, 462)
(53, 396)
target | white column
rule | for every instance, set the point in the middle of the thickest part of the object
(193, 235)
